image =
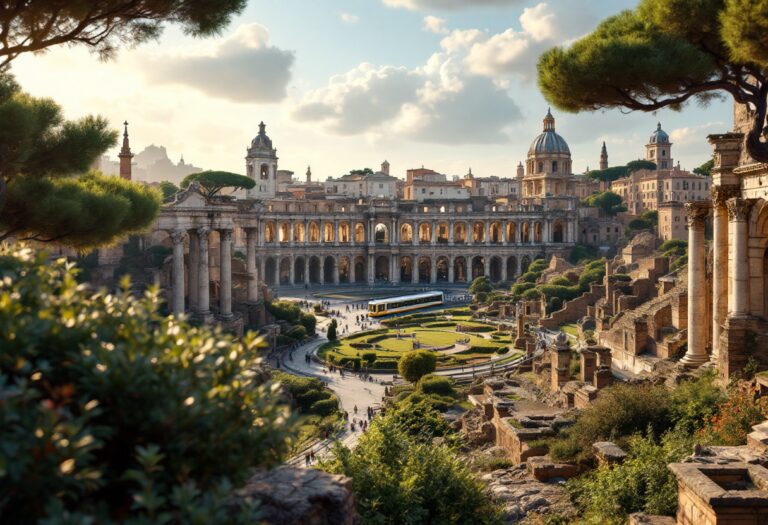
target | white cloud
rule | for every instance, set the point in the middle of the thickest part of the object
(448, 4)
(349, 18)
(694, 134)
(242, 67)
(435, 24)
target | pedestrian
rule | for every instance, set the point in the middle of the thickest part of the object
(306, 459)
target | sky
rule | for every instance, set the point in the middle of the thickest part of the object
(345, 84)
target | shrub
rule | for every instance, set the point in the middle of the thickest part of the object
(480, 284)
(590, 276)
(674, 244)
(385, 364)
(297, 333)
(735, 416)
(519, 288)
(565, 293)
(481, 349)
(107, 403)
(503, 350)
(325, 407)
(285, 311)
(332, 330)
(309, 322)
(415, 365)
(440, 324)
(529, 277)
(580, 253)
(533, 293)
(539, 265)
(354, 361)
(560, 281)
(305, 400)
(432, 384)
(369, 357)
(361, 346)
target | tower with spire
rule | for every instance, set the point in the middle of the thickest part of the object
(261, 166)
(125, 155)
(309, 174)
(604, 158)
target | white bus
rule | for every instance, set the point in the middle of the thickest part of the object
(405, 303)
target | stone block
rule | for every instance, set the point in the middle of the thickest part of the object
(543, 469)
(608, 453)
(641, 518)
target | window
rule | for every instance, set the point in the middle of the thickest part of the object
(663, 153)
(264, 172)
(554, 166)
(540, 167)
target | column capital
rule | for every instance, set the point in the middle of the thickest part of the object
(226, 234)
(177, 236)
(721, 194)
(697, 213)
(203, 232)
(739, 209)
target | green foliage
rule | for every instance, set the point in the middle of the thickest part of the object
(564, 293)
(695, 402)
(398, 479)
(521, 287)
(616, 172)
(591, 276)
(417, 415)
(480, 284)
(705, 169)
(580, 253)
(610, 203)
(325, 407)
(415, 365)
(640, 164)
(168, 189)
(309, 322)
(442, 386)
(332, 336)
(538, 266)
(363, 171)
(369, 357)
(643, 483)
(46, 192)
(673, 244)
(100, 390)
(639, 224)
(529, 277)
(297, 333)
(212, 182)
(651, 216)
(531, 294)
(734, 417)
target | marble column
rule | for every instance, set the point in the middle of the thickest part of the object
(451, 276)
(450, 232)
(335, 232)
(433, 232)
(433, 272)
(504, 268)
(306, 270)
(697, 285)
(291, 270)
(738, 287)
(251, 236)
(322, 270)
(177, 236)
(414, 269)
(203, 285)
(194, 263)
(487, 232)
(719, 265)
(225, 281)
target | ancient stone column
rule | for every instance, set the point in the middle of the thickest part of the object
(335, 232)
(322, 270)
(251, 235)
(487, 232)
(177, 236)
(451, 276)
(697, 285)
(306, 270)
(738, 287)
(414, 269)
(719, 265)
(450, 232)
(194, 267)
(203, 285)
(504, 268)
(225, 281)
(291, 271)
(433, 233)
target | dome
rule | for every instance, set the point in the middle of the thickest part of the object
(549, 142)
(261, 141)
(659, 136)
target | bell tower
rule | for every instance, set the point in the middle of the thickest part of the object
(125, 155)
(261, 166)
(604, 158)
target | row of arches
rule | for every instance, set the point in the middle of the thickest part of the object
(290, 270)
(425, 232)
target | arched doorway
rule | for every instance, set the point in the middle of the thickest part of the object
(525, 233)
(382, 268)
(314, 270)
(425, 233)
(478, 267)
(381, 234)
(406, 269)
(269, 271)
(406, 234)
(298, 270)
(328, 267)
(360, 270)
(478, 232)
(557, 232)
(525, 262)
(538, 236)
(460, 270)
(460, 233)
(511, 268)
(285, 270)
(512, 232)
(441, 266)
(495, 270)
(425, 270)
(344, 269)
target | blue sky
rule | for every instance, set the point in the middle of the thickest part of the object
(342, 84)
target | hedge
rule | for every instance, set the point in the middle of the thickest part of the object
(440, 324)
(384, 365)
(519, 288)
(325, 407)
(481, 349)
(503, 350)
(354, 360)
(361, 346)
(566, 293)
(533, 293)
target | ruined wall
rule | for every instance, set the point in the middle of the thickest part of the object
(574, 309)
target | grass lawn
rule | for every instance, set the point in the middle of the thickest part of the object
(311, 427)
(571, 330)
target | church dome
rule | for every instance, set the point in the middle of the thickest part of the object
(659, 136)
(549, 142)
(261, 141)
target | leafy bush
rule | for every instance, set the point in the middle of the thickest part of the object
(560, 281)
(306, 399)
(325, 407)
(565, 293)
(503, 350)
(480, 284)
(580, 253)
(385, 364)
(332, 327)
(432, 384)
(674, 244)
(297, 333)
(285, 311)
(397, 478)
(529, 277)
(481, 349)
(415, 365)
(354, 361)
(369, 357)
(533, 293)
(539, 265)
(113, 411)
(735, 416)
(519, 288)
(309, 322)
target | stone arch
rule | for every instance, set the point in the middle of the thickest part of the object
(495, 269)
(328, 233)
(441, 268)
(525, 233)
(285, 232)
(478, 266)
(459, 270)
(329, 266)
(345, 232)
(381, 272)
(299, 235)
(425, 233)
(496, 233)
(512, 232)
(558, 232)
(406, 269)
(285, 270)
(478, 232)
(511, 268)
(359, 267)
(538, 235)
(441, 232)
(314, 269)
(425, 269)
(344, 273)
(406, 233)
(299, 267)
(381, 233)
(269, 232)
(314, 232)
(270, 267)
(359, 233)
(525, 262)
(460, 232)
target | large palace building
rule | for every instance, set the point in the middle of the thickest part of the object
(335, 237)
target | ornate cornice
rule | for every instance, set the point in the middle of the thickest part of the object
(720, 194)
(697, 213)
(739, 209)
